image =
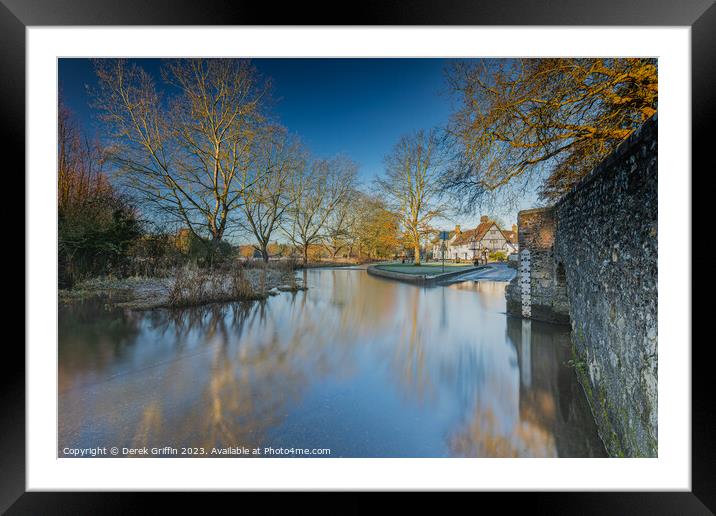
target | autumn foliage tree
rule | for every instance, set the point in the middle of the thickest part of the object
(79, 163)
(378, 229)
(556, 118)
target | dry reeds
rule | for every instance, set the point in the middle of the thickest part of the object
(194, 286)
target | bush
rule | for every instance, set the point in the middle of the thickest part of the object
(95, 235)
(498, 256)
(153, 255)
(207, 253)
(159, 254)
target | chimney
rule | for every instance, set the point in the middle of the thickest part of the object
(484, 219)
(457, 229)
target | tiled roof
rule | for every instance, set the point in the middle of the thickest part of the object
(479, 233)
(473, 234)
(511, 236)
(466, 237)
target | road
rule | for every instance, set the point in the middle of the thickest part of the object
(491, 272)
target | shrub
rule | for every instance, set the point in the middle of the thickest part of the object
(498, 256)
(94, 236)
(207, 253)
(153, 255)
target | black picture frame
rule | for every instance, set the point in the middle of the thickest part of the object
(17, 15)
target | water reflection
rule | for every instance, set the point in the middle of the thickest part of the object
(361, 365)
(543, 412)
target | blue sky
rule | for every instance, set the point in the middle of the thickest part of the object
(359, 107)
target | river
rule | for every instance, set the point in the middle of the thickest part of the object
(358, 365)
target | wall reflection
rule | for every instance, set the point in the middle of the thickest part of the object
(546, 414)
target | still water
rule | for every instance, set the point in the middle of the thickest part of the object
(362, 366)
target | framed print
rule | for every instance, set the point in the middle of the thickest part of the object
(429, 250)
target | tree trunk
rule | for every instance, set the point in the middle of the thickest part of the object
(305, 255)
(213, 249)
(264, 254)
(417, 254)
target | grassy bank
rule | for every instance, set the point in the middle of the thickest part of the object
(190, 286)
(326, 264)
(423, 269)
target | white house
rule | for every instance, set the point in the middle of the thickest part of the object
(473, 244)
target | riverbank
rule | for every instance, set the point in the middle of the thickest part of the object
(187, 287)
(325, 265)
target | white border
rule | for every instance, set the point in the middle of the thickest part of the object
(670, 471)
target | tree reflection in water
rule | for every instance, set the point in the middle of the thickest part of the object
(94, 336)
(367, 366)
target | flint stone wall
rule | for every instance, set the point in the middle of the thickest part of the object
(594, 263)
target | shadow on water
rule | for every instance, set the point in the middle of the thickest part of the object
(364, 366)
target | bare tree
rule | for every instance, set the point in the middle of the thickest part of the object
(316, 192)
(550, 118)
(187, 156)
(411, 184)
(340, 232)
(265, 192)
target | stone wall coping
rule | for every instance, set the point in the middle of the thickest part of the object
(534, 210)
